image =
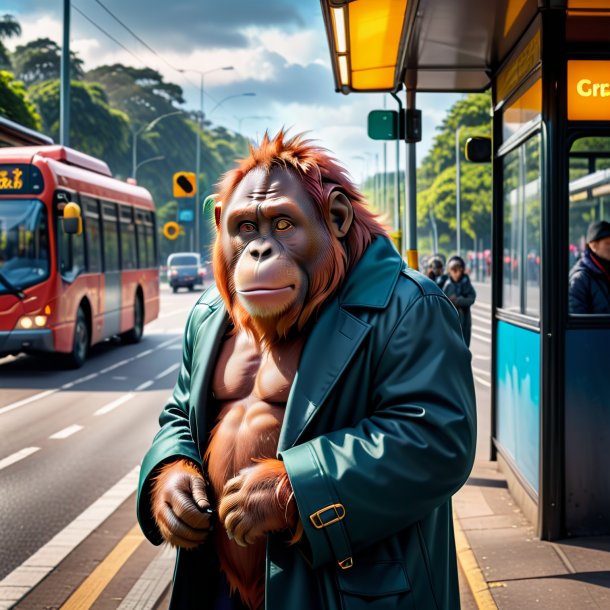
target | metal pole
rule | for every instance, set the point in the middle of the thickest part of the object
(458, 218)
(134, 153)
(411, 195)
(397, 221)
(385, 171)
(198, 168)
(64, 97)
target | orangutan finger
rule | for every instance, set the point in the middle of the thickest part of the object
(233, 485)
(199, 493)
(188, 512)
(179, 529)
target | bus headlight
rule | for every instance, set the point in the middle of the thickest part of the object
(28, 322)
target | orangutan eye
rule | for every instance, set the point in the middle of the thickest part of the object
(247, 227)
(283, 225)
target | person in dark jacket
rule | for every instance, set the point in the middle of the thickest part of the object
(435, 271)
(590, 276)
(461, 293)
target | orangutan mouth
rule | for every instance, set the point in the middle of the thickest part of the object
(263, 291)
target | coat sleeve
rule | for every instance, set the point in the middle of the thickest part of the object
(356, 486)
(174, 440)
(579, 296)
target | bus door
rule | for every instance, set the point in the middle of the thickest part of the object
(112, 273)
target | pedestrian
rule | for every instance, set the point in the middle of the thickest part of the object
(435, 271)
(589, 290)
(461, 293)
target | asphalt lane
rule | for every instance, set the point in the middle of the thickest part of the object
(60, 452)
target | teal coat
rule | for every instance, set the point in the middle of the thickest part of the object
(379, 426)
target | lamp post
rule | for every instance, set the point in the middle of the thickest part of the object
(252, 117)
(229, 97)
(138, 132)
(139, 165)
(201, 73)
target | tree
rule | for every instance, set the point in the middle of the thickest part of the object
(14, 102)
(95, 128)
(40, 60)
(9, 27)
(437, 176)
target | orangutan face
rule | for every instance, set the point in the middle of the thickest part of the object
(273, 235)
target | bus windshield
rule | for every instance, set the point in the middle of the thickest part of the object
(24, 244)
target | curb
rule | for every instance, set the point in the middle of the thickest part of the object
(472, 572)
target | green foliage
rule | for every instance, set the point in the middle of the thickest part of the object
(9, 27)
(437, 177)
(40, 60)
(14, 102)
(95, 127)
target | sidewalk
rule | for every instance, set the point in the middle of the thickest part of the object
(508, 568)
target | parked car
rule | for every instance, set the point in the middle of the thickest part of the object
(184, 270)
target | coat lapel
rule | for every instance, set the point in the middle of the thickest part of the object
(337, 335)
(333, 342)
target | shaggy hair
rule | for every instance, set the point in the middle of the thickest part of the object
(321, 175)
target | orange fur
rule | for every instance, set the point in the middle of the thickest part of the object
(320, 175)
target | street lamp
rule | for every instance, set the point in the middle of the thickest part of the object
(201, 73)
(229, 97)
(139, 165)
(253, 117)
(138, 132)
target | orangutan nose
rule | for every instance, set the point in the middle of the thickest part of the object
(261, 251)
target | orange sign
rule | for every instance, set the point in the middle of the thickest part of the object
(588, 90)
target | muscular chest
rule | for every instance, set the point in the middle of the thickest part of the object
(250, 387)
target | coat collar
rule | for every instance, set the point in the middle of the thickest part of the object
(337, 335)
(334, 340)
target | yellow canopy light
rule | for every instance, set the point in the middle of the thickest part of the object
(365, 38)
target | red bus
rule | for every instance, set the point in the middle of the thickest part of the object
(62, 292)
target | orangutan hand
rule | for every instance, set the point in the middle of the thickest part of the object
(257, 501)
(180, 505)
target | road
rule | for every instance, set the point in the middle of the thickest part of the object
(70, 446)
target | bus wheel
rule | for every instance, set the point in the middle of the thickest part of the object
(135, 334)
(80, 344)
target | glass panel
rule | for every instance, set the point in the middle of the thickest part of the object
(24, 244)
(523, 112)
(129, 252)
(142, 258)
(111, 237)
(521, 229)
(589, 226)
(92, 229)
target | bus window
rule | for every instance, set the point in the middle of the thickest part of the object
(129, 250)
(521, 229)
(24, 243)
(150, 239)
(589, 238)
(71, 254)
(141, 232)
(111, 237)
(92, 229)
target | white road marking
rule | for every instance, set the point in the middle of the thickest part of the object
(173, 313)
(27, 401)
(487, 384)
(487, 320)
(144, 385)
(481, 338)
(168, 370)
(483, 305)
(482, 329)
(114, 404)
(155, 579)
(479, 357)
(16, 457)
(481, 371)
(25, 577)
(175, 347)
(66, 432)
(66, 386)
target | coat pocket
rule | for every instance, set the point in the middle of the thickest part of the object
(375, 586)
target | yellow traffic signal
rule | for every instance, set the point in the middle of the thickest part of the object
(185, 184)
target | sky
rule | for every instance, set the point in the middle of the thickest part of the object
(278, 50)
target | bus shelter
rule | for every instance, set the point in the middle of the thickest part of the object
(547, 63)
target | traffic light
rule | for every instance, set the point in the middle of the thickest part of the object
(185, 184)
